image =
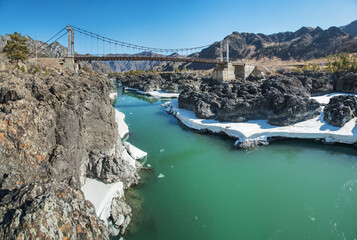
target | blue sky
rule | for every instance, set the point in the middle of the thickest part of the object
(171, 23)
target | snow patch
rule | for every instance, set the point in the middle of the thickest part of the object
(126, 157)
(123, 128)
(324, 99)
(134, 152)
(101, 196)
(315, 128)
(155, 94)
(113, 95)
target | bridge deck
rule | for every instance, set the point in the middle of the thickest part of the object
(144, 58)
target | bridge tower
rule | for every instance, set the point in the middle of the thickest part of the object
(220, 51)
(227, 52)
(70, 41)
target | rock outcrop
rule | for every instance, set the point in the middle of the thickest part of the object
(168, 82)
(48, 211)
(347, 83)
(282, 99)
(340, 110)
(315, 82)
(56, 130)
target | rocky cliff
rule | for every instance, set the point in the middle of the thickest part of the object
(56, 130)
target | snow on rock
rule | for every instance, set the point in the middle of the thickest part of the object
(128, 158)
(156, 94)
(324, 99)
(134, 152)
(101, 195)
(113, 95)
(122, 126)
(315, 128)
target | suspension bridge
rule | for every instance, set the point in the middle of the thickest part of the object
(107, 49)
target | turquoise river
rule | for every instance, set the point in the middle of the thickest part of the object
(291, 189)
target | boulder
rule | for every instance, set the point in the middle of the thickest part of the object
(340, 110)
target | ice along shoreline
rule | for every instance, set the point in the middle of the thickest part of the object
(155, 94)
(258, 132)
(102, 195)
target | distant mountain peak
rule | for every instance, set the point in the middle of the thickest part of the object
(350, 28)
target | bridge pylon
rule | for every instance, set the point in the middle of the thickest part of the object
(70, 41)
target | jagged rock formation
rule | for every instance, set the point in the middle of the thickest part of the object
(340, 110)
(56, 130)
(168, 82)
(346, 83)
(316, 83)
(48, 211)
(350, 28)
(282, 99)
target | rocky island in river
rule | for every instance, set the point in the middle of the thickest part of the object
(263, 101)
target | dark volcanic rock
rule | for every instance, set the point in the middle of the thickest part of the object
(250, 144)
(340, 110)
(281, 99)
(347, 83)
(168, 82)
(316, 83)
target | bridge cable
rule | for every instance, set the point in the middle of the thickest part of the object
(134, 46)
(47, 41)
(39, 51)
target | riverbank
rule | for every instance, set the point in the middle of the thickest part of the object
(259, 132)
(108, 198)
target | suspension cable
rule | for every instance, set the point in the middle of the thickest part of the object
(48, 41)
(134, 46)
(51, 43)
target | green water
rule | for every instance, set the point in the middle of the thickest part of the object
(290, 189)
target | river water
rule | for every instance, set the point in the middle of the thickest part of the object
(291, 189)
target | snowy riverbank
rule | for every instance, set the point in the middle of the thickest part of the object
(261, 131)
(155, 94)
(102, 195)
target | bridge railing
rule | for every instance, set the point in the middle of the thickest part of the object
(144, 58)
